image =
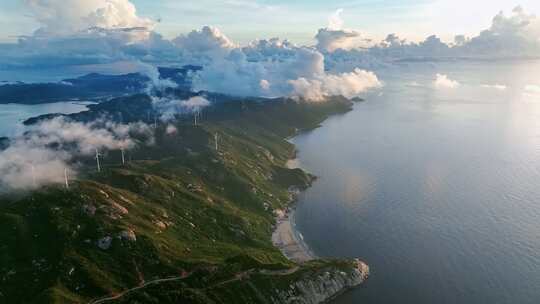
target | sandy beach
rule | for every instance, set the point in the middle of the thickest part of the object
(289, 240)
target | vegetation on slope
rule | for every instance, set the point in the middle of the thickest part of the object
(176, 210)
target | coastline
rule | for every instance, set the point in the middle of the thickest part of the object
(286, 236)
(289, 240)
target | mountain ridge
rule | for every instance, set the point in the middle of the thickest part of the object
(178, 209)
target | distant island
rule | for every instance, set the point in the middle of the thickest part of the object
(89, 87)
(185, 220)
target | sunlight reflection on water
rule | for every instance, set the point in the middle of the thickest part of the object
(437, 189)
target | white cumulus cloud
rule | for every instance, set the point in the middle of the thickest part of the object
(71, 16)
(170, 108)
(273, 68)
(346, 84)
(443, 82)
(499, 87)
(515, 35)
(532, 89)
(335, 37)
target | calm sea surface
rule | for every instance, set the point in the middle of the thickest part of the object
(438, 189)
(12, 115)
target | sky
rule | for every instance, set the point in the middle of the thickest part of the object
(323, 45)
(298, 21)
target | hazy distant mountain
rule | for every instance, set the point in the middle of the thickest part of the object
(92, 86)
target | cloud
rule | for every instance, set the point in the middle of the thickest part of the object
(346, 84)
(335, 21)
(510, 36)
(170, 108)
(332, 40)
(265, 85)
(156, 83)
(103, 32)
(274, 68)
(206, 40)
(195, 103)
(84, 138)
(335, 37)
(85, 32)
(531, 92)
(443, 82)
(241, 71)
(532, 89)
(499, 87)
(40, 156)
(60, 17)
(171, 130)
(24, 166)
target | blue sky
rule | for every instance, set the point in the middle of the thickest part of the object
(244, 20)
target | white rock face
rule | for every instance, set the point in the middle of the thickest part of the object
(323, 287)
(161, 225)
(105, 243)
(119, 208)
(128, 235)
(89, 209)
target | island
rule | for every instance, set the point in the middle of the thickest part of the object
(184, 220)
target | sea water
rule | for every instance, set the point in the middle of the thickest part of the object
(436, 187)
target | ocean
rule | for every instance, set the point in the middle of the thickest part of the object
(12, 115)
(436, 187)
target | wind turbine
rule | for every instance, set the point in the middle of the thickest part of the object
(216, 140)
(123, 156)
(197, 111)
(66, 178)
(97, 161)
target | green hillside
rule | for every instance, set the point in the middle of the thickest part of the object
(178, 210)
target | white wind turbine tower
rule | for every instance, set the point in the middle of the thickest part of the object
(123, 156)
(196, 116)
(66, 178)
(97, 161)
(216, 141)
(197, 111)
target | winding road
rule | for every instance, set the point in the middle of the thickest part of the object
(128, 291)
(237, 277)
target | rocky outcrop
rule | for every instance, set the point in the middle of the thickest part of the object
(128, 235)
(105, 242)
(322, 287)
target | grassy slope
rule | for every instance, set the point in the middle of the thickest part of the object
(194, 210)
